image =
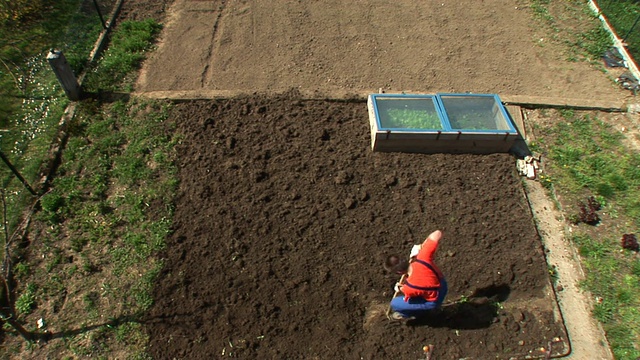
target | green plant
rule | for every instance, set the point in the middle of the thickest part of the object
(413, 119)
(21, 270)
(472, 121)
(125, 54)
(26, 302)
(52, 202)
(553, 273)
(588, 160)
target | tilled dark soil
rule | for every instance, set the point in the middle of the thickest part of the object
(282, 221)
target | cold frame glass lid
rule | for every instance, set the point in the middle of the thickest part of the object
(475, 112)
(408, 112)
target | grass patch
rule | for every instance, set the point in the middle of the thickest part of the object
(31, 99)
(107, 215)
(104, 227)
(126, 52)
(623, 16)
(587, 158)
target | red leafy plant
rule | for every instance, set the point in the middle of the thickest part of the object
(630, 242)
(588, 211)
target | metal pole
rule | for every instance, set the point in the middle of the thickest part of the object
(16, 173)
(95, 3)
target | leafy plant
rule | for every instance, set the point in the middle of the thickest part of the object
(472, 121)
(591, 166)
(630, 242)
(21, 270)
(26, 302)
(589, 211)
(413, 119)
(52, 205)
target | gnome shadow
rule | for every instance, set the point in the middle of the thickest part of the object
(475, 312)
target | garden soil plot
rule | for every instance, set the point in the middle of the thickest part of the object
(331, 48)
(282, 221)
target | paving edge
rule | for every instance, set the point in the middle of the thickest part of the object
(587, 338)
(361, 95)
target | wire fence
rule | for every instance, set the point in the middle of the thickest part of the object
(32, 101)
(624, 17)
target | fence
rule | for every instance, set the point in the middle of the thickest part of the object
(624, 17)
(32, 101)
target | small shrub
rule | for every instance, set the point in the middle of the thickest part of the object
(52, 202)
(21, 270)
(52, 205)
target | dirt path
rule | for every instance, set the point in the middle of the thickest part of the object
(332, 47)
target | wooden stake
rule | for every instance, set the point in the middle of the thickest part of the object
(64, 74)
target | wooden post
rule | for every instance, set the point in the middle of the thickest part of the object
(64, 74)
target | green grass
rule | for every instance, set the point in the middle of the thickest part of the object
(587, 157)
(31, 99)
(622, 15)
(127, 50)
(99, 212)
(108, 212)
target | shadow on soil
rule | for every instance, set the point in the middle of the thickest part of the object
(46, 336)
(477, 312)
